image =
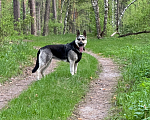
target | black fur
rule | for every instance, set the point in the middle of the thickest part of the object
(60, 52)
(37, 63)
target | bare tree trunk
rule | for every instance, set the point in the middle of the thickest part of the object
(0, 8)
(46, 18)
(113, 7)
(38, 20)
(33, 15)
(54, 14)
(16, 10)
(105, 17)
(65, 21)
(116, 14)
(42, 13)
(24, 15)
(97, 18)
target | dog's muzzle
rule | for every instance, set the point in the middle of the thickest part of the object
(81, 46)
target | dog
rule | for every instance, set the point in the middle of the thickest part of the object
(70, 52)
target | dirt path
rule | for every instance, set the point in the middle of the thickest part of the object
(14, 88)
(96, 104)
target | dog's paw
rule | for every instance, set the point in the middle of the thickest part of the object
(72, 73)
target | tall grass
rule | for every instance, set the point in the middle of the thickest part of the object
(12, 56)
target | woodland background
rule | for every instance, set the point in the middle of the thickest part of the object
(100, 17)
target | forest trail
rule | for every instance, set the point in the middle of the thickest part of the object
(12, 89)
(97, 102)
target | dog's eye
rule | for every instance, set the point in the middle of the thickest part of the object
(83, 39)
(78, 38)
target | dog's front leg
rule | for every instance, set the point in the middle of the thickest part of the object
(75, 67)
(72, 67)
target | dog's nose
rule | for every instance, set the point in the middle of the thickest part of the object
(80, 43)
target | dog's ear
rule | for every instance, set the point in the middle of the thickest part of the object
(78, 33)
(84, 33)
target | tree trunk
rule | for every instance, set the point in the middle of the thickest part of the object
(16, 10)
(38, 20)
(54, 14)
(33, 15)
(97, 18)
(46, 18)
(0, 8)
(24, 15)
(105, 17)
(116, 14)
(65, 21)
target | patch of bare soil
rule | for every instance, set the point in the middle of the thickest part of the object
(10, 90)
(97, 102)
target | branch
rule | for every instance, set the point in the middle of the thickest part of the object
(114, 34)
(134, 33)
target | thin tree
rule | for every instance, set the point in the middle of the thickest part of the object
(24, 15)
(54, 14)
(105, 16)
(33, 15)
(16, 11)
(97, 18)
(46, 17)
(66, 17)
(38, 15)
(0, 8)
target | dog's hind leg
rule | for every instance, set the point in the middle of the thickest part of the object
(45, 58)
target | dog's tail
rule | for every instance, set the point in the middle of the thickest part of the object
(37, 63)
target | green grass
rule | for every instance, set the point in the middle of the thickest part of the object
(54, 96)
(13, 55)
(133, 55)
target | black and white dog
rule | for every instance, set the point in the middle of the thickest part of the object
(71, 52)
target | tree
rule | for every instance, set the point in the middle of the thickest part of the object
(33, 16)
(66, 17)
(16, 11)
(97, 18)
(24, 15)
(54, 14)
(38, 17)
(105, 16)
(0, 8)
(46, 18)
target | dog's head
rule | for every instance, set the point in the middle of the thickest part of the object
(81, 40)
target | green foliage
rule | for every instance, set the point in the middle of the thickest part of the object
(137, 17)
